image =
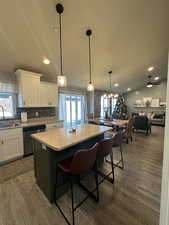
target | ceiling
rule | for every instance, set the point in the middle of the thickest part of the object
(128, 37)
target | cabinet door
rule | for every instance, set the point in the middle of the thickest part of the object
(54, 95)
(48, 95)
(12, 147)
(30, 91)
(43, 95)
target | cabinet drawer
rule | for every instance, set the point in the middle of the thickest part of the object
(11, 132)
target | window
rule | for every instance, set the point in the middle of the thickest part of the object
(113, 104)
(8, 105)
(107, 106)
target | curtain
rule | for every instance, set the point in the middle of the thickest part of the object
(62, 107)
(8, 87)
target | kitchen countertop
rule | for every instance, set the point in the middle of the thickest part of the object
(41, 122)
(60, 139)
(31, 122)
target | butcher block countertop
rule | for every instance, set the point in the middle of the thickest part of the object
(60, 139)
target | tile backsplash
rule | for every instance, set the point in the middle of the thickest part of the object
(41, 111)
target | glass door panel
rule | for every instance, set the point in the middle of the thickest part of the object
(74, 107)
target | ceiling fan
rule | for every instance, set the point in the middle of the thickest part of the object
(150, 83)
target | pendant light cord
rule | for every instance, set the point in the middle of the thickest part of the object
(110, 83)
(61, 56)
(90, 66)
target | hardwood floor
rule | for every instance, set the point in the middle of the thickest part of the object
(134, 199)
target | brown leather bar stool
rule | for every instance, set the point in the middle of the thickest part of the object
(117, 143)
(81, 163)
(105, 149)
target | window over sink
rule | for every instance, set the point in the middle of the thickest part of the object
(7, 105)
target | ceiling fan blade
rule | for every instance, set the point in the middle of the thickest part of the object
(156, 84)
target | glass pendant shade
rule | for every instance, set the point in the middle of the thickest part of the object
(61, 81)
(90, 87)
(116, 95)
(149, 85)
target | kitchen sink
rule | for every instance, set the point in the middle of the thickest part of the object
(8, 124)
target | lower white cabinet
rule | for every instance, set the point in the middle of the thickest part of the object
(11, 144)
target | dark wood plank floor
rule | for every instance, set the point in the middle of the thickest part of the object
(134, 199)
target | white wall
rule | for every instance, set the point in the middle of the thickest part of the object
(6, 77)
(164, 213)
(154, 92)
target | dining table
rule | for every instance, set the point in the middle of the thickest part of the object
(114, 123)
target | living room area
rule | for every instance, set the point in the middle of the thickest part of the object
(149, 102)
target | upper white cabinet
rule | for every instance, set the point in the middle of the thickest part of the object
(29, 88)
(48, 94)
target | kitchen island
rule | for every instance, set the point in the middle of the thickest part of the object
(56, 145)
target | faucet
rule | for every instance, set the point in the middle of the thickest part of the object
(3, 111)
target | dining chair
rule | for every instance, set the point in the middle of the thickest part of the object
(127, 133)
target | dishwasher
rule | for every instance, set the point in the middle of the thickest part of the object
(28, 141)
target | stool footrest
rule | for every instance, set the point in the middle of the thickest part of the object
(105, 177)
(117, 164)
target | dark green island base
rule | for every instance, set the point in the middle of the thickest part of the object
(45, 166)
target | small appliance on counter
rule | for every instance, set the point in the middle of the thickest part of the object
(24, 117)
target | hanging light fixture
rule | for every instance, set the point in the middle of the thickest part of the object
(61, 79)
(111, 95)
(90, 86)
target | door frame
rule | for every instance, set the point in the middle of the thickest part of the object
(164, 210)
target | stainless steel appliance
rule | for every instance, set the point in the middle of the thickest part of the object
(28, 141)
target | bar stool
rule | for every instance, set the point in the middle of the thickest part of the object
(105, 149)
(82, 162)
(117, 142)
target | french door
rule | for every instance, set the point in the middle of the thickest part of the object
(74, 109)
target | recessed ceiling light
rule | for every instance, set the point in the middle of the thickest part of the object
(55, 29)
(151, 68)
(128, 89)
(156, 78)
(116, 84)
(46, 61)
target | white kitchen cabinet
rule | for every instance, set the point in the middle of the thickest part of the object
(48, 94)
(58, 124)
(29, 88)
(11, 144)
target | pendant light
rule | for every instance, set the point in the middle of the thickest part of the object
(61, 79)
(111, 94)
(90, 86)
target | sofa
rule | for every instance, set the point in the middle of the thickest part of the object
(158, 119)
(142, 123)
